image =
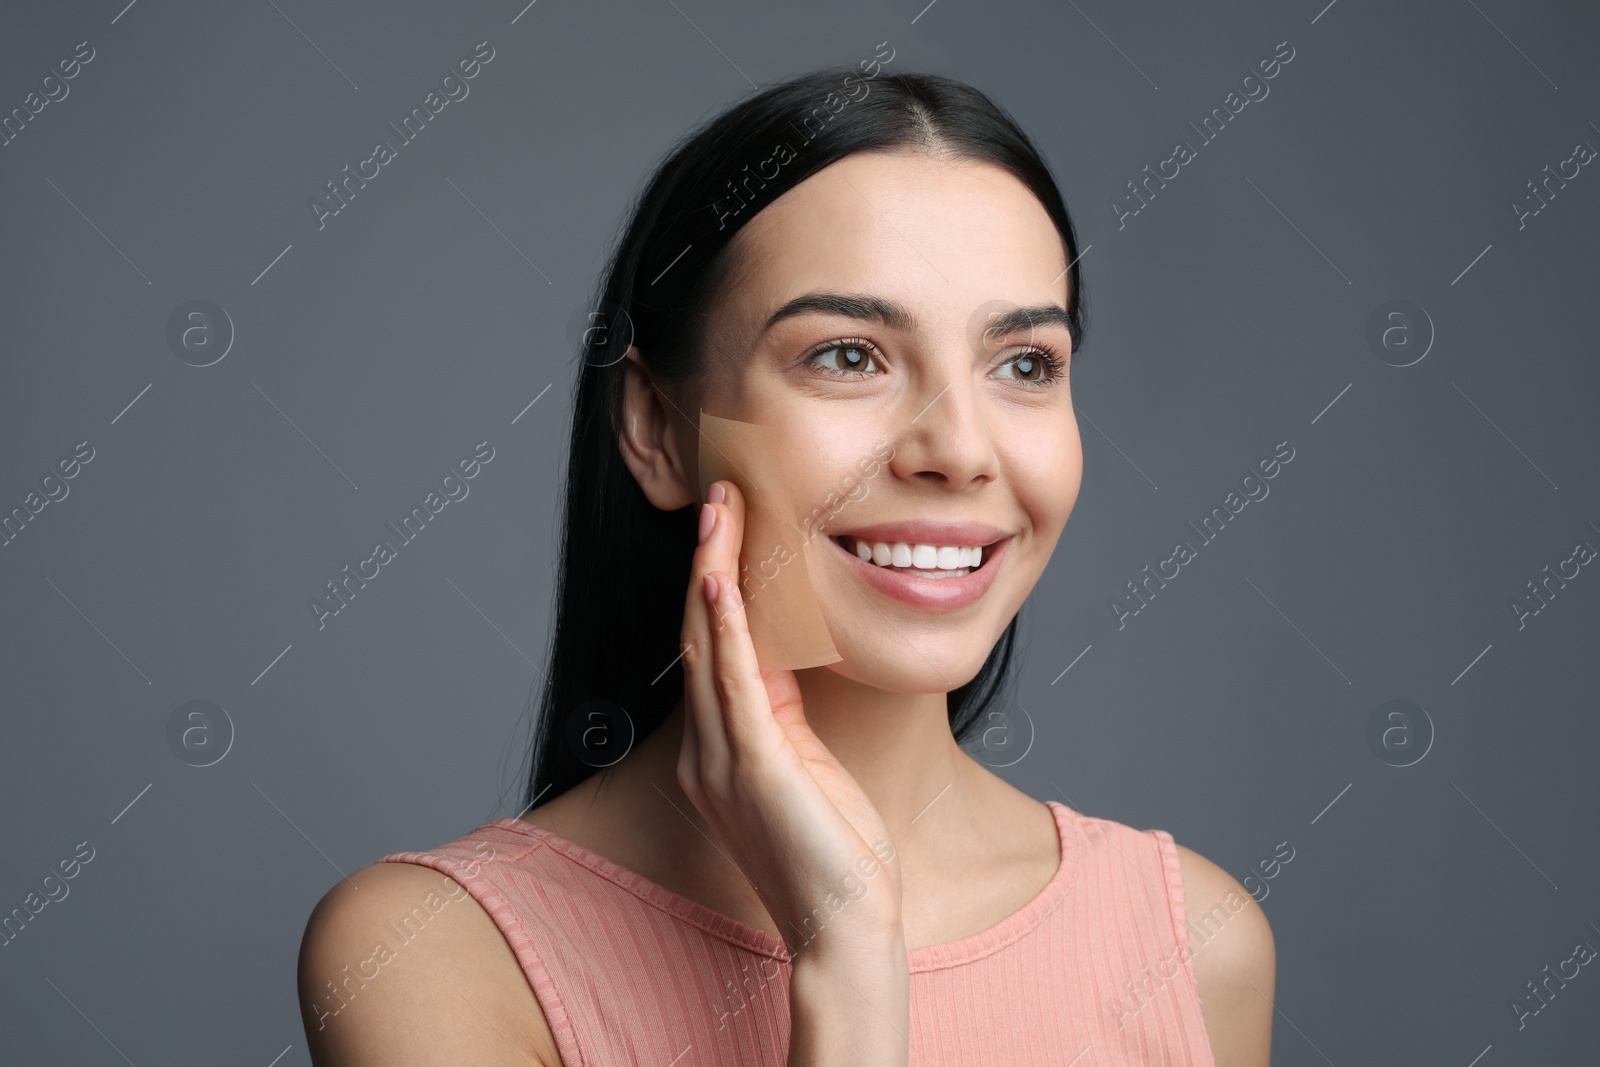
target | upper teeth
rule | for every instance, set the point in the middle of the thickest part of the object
(923, 557)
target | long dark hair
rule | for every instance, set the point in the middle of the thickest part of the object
(615, 671)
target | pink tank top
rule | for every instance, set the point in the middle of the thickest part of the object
(1094, 971)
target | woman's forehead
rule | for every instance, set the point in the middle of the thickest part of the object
(931, 235)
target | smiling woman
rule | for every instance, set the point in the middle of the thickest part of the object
(909, 289)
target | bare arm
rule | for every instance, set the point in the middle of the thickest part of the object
(1236, 964)
(453, 993)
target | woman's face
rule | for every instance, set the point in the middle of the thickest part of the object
(978, 429)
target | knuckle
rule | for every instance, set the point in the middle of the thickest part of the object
(729, 685)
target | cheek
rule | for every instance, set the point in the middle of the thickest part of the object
(824, 466)
(1045, 468)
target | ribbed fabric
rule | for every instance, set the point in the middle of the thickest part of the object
(1089, 973)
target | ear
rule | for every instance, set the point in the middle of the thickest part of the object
(654, 438)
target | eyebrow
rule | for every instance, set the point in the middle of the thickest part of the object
(898, 317)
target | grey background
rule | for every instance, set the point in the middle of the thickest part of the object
(1227, 316)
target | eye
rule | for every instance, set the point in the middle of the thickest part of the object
(851, 356)
(1038, 367)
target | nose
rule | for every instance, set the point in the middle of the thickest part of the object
(944, 429)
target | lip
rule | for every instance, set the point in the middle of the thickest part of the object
(934, 594)
(927, 532)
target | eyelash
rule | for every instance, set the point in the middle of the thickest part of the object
(1043, 352)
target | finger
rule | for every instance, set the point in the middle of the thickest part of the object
(746, 713)
(699, 688)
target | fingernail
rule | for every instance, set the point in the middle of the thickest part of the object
(708, 519)
(710, 589)
(717, 494)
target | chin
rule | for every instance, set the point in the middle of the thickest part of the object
(937, 664)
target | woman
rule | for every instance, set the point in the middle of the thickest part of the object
(805, 867)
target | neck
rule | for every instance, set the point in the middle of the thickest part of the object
(897, 746)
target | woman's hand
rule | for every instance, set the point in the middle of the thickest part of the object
(794, 820)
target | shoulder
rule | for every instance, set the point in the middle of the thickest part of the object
(1235, 960)
(400, 965)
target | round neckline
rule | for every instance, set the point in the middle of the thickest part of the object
(924, 958)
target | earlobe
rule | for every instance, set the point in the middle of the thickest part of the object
(650, 436)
